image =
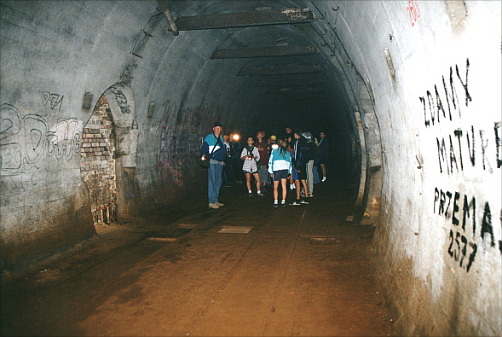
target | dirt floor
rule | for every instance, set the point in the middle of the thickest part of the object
(299, 271)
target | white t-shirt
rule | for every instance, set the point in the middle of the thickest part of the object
(250, 165)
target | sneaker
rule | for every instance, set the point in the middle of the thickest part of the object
(295, 204)
(323, 179)
(276, 205)
(292, 186)
(214, 206)
(219, 204)
(305, 202)
(283, 203)
(311, 195)
(259, 194)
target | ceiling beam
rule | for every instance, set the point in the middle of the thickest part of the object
(244, 19)
(295, 91)
(271, 51)
(290, 83)
(281, 70)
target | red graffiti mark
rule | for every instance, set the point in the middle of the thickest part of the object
(414, 11)
(169, 173)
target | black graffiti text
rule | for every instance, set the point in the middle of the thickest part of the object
(28, 139)
(461, 250)
(438, 105)
(54, 101)
(469, 147)
(468, 215)
(121, 98)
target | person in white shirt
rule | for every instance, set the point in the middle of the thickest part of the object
(251, 157)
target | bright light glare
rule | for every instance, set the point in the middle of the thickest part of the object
(235, 137)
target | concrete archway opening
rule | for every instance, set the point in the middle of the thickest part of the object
(123, 110)
(108, 156)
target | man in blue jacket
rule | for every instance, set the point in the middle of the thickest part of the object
(213, 149)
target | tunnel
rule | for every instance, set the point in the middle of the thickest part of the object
(105, 104)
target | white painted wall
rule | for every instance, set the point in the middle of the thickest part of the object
(430, 258)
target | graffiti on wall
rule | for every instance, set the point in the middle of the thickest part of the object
(471, 222)
(472, 146)
(476, 148)
(437, 103)
(27, 139)
(469, 147)
(64, 140)
(121, 99)
(52, 100)
(413, 11)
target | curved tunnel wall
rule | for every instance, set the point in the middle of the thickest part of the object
(420, 80)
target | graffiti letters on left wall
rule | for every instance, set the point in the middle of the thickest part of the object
(27, 139)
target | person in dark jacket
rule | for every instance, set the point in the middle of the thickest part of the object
(213, 149)
(310, 164)
(228, 174)
(323, 153)
(264, 150)
(301, 156)
(236, 162)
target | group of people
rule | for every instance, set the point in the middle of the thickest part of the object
(293, 158)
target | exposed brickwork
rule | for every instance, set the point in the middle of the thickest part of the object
(97, 164)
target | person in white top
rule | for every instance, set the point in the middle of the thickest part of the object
(251, 157)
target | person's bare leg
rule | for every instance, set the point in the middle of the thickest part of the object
(284, 184)
(323, 169)
(298, 189)
(248, 181)
(276, 190)
(258, 182)
(305, 187)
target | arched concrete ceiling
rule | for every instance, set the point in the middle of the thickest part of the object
(271, 101)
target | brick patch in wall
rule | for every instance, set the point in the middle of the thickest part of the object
(97, 164)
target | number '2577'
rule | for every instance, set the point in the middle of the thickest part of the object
(462, 250)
